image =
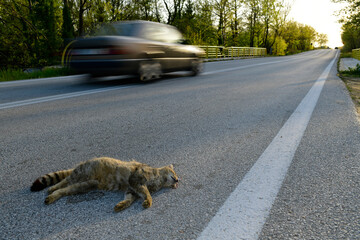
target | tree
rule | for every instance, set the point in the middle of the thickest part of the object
(268, 11)
(351, 24)
(204, 32)
(279, 47)
(274, 14)
(235, 20)
(173, 9)
(82, 6)
(350, 36)
(322, 39)
(254, 11)
(67, 26)
(33, 31)
(352, 11)
(29, 32)
(307, 37)
(44, 19)
(221, 12)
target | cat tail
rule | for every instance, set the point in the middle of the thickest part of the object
(49, 179)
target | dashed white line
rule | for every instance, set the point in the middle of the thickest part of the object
(245, 211)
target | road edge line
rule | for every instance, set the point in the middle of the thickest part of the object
(245, 211)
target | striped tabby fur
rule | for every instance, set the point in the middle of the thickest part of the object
(136, 179)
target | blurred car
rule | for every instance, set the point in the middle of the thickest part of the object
(142, 48)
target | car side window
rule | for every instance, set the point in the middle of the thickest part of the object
(161, 33)
(173, 35)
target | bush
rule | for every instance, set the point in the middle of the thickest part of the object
(279, 46)
(352, 72)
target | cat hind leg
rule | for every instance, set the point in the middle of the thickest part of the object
(82, 187)
(64, 183)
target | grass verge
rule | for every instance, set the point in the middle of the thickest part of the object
(18, 74)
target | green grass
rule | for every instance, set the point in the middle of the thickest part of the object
(350, 54)
(17, 74)
(345, 54)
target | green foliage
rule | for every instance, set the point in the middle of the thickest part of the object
(351, 24)
(44, 18)
(67, 26)
(33, 32)
(28, 32)
(344, 54)
(16, 74)
(279, 47)
(299, 37)
(350, 36)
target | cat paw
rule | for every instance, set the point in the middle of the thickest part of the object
(119, 207)
(147, 204)
(49, 200)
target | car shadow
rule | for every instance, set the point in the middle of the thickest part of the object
(129, 80)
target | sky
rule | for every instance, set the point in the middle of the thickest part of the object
(320, 15)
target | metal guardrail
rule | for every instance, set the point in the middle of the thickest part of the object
(232, 52)
(356, 53)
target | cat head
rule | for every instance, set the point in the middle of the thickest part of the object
(170, 177)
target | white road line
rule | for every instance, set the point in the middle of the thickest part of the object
(245, 211)
(58, 97)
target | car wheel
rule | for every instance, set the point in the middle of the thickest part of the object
(149, 71)
(196, 67)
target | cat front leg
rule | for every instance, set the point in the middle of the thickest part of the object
(144, 193)
(130, 197)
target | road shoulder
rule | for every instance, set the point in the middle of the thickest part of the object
(352, 82)
(318, 199)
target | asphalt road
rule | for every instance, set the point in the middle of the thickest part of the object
(214, 128)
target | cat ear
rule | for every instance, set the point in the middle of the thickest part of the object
(171, 166)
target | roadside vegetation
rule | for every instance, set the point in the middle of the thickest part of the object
(19, 74)
(353, 72)
(34, 32)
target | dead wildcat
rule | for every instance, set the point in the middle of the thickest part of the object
(134, 178)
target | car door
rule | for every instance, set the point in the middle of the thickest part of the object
(178, 55)
(166, 39)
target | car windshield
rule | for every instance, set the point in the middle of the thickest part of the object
(115, 29)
